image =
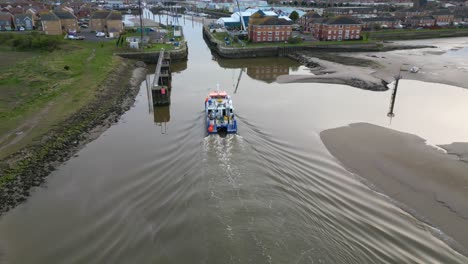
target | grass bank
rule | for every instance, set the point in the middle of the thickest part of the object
(47, 87)
(409, 34)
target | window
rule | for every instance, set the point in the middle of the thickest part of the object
(277, 33)
(264, 38)
(340, 32)
(329, 31)
(277, 38)
(341, 26)
(259, 33)
(270, 33)
(329, 37)
(269, 39)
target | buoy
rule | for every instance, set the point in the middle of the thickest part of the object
(210, 128)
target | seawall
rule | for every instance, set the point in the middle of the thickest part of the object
(152, 57)
(273, 51)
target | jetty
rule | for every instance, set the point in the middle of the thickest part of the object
(161, 85)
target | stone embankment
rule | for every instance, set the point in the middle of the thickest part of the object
(152, 57)
(29, 167)
(283, 50)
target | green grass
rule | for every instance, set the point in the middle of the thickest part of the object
(424, 30)
(40, 81)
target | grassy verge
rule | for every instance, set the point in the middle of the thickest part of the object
(47, 87)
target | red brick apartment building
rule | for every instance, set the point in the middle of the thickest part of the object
(337, 28)
(269, 29)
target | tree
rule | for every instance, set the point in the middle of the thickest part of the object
(375, 26)
(294, 16)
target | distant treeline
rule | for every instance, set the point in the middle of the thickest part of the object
(30, 41)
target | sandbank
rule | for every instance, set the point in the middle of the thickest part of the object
(422, 179)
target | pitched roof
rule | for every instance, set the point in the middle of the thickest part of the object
(23, 16)
(442, 12)
(49, 17)
(312, 14)
(340, 20)
(114, 15)
(270, 21)
(374, 19)
(5, 16)
(100, 14)
(64, 15)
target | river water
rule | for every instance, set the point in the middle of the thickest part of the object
(154, 189)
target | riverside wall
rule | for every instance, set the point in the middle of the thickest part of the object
(152, 57)
(224, 51)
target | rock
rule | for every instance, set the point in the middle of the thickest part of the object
(140, 64)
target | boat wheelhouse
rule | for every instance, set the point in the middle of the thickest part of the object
(219, 114)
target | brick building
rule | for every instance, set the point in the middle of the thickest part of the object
(337, 28)
(68, 21)
(443, 17)
(420, 21)
(51, 24)
(382, 22)
(306, 21)
(269, 29)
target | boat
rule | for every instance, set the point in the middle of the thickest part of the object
(219, 114)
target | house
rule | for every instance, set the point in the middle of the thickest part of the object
(306, 21)
(443, 17)
(107, 21)
(115, 4)
(51, 24)
(410, 12)
(84, 11)
(269, 28)
(98, 20)
(382, 22)
(25, 21)
(420, 21)
(114, 25)
(337, 28)
(68, 21)
(351, 11)
(6, 21)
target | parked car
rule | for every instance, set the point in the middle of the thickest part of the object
(100, 34)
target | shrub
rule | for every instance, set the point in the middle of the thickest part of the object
(32, 41)
(294, 40)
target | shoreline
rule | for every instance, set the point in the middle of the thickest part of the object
(424, 181)
(375, 70)
(30, 166)
(325, 71)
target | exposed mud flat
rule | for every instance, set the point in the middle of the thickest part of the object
(29, 167)
(327, 71)
(422, 179)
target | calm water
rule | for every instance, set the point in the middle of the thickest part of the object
(153, 189)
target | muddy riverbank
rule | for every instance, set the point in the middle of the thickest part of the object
(29, 167)
(423, 180)
(325, 70)
(374, 70)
